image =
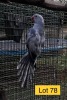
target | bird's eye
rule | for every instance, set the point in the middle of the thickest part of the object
(35, 15)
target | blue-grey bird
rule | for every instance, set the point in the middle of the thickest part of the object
(34, 41)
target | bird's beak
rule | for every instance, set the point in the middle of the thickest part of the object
(32, 18)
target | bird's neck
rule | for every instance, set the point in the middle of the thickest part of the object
(38, 26)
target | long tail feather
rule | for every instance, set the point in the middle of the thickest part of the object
(25, 76)
(25, 70)
(22, 65)
(22, 73)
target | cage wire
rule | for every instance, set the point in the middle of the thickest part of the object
(51, 64)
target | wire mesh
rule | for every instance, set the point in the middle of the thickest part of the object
(51, 64)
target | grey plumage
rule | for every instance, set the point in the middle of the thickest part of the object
(34, 41)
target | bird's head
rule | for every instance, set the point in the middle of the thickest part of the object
(37, 18)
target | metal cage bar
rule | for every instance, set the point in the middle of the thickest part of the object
(51, 64)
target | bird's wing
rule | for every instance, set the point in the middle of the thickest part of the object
(33, 40)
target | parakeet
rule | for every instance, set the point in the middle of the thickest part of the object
(34, 41)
